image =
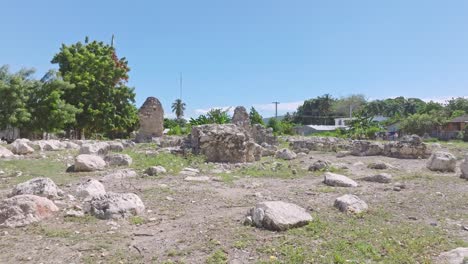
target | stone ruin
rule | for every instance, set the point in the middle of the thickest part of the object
(241, 118)
(151, 116)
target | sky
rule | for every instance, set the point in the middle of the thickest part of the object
(254, 52)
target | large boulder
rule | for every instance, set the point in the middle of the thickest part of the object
(44, 187)
(115, 205)
(366, 148)
(350, 204)
(261, 134)
(442, 161)
(278, 215)
(151, 116)
(85, 162)
(224, 143)
(241, 117)
(21, 147)
(22, 210)
(90, 188)
(333, 179)
(48, 145)
(454, 256)
(464, 168)
(285, 154)
(98, 148)
(5, 153)
(118, 160)
(155, 170)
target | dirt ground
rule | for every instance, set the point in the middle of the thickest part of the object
(201, 222)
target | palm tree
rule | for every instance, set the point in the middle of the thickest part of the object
(178, 107)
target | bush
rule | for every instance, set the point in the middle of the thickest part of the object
(281, 127)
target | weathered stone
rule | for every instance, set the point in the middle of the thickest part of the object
(5, 153)
(224, 143)
(278, 215)
(116, 146)
(320, 165)
(464, 168)
(350, 204)
(241, 118)
(71, 145)
(90, 188)
(118, 160)
(378, 166)
(21, 147)
(190, 172)
(442, 161)
(305, 144)
(380, 178)
(151, 116)
(85, 162)
(44, 187)
(115, 205)
(119, 175)
(261, 134)
(197, 178)
(99, 148)
(22, 210)
(333, 179)
(454, 256)
(408, 148)
(366, 148)
(155, 170)
(285, 154)
(268, 150)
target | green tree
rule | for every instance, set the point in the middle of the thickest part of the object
(345, 106)
(214, 116)
(255, 117)
(49, 111)
(99, 77)
(178, 107)
(315, 111)
(15, 90)
(422, 123)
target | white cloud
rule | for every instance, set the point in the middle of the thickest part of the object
(224, 108)
(442, 100)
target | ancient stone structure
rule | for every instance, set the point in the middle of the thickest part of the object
(224, 143)
(151, 116)
(241, 117)
(262, 135)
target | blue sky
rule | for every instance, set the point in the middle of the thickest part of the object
(253, 52)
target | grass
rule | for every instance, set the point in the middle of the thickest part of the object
(371, 238)
(217, 257)
(137, 220)
(172, 163)
(267, 167)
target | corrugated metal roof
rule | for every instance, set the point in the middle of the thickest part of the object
(460, 119)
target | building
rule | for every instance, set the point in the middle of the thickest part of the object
(452, 129)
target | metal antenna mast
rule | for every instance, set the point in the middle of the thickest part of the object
(276, 109)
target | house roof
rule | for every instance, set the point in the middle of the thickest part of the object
(460, 119)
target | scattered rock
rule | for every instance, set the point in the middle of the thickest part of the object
(116, 146)
(464, 168)
(22, 210)
(119, 175)
(442, 161)
(380, 178)
(285, 154)
(74, 213)
(454, 256)
(21, 147)
(189, 172)
(197, 178)
(99, 148)
(155, 170)
(5, 153)
(118, 160)
(320, 165)
(342, 154)
(44, 187)
(86, 162)
(90, 188)
(333, 179)
(378, 166)
(350, 204)
(115, 205)
(278, 216)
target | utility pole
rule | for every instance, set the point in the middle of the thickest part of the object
(276, 109)
(180, 86)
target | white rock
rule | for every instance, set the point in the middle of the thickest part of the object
(74, 213)
(442, 161)
(155, 170)
(455, 256)
(115, 205)
(5, 153)
(119, 175)
(44, 187)
(21, 147)
(189, 172)
(118, 160)
(197, 178)
(464, 168)
(90, 188)
(71, 145)
(350, 204)
(85, 162)
(99, 148)
(285, 154)
(22, 210)
(333, 179)
(278, 215)
(380, 178)
(116, 146)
